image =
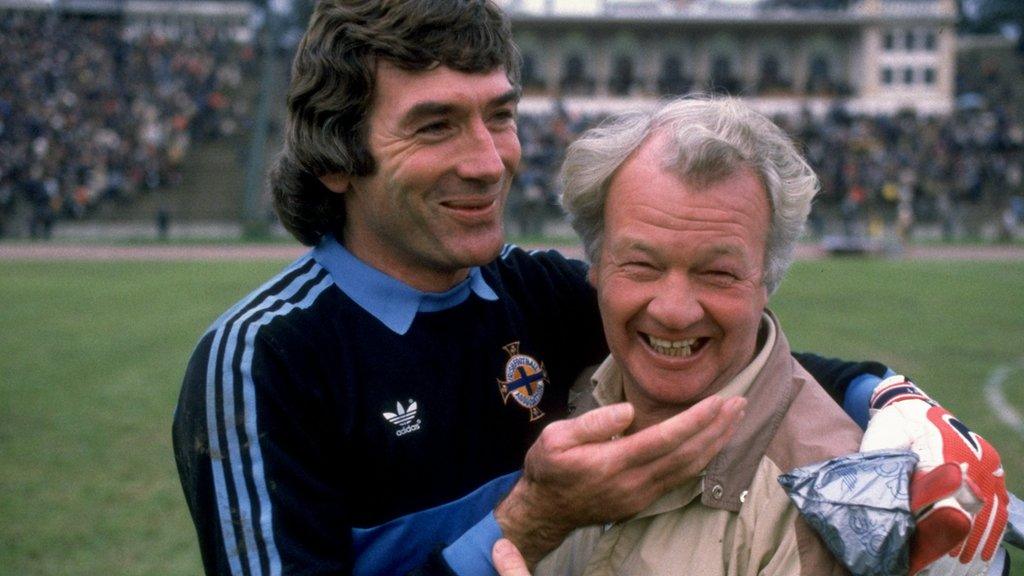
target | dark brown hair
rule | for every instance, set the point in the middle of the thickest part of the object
(332, 89)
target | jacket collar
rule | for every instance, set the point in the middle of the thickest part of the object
(389, 300)
(768, 398)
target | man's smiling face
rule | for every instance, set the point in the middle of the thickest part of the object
(679, 280)
(446, 149)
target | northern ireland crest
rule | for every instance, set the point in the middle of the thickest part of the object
(524, 380)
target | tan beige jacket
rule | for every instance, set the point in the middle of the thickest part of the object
(735, 520)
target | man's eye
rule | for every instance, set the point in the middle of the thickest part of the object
(433, 128)
(640, 268)
(504, 116)
(722, 275)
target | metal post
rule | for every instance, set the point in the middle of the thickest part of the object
(254, 221)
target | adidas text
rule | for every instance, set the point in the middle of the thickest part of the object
(410, 428)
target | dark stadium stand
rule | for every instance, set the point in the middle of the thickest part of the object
(960, 176)
(98, 111)
(108, 118)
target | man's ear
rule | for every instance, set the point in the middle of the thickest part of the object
(592, 274)
(336, 182)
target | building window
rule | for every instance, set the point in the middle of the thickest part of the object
(621, 81)
(930, 40)
(929, 76)
(575, 79)
(531, 76)
(908, 75)
(672, 79)
(772, 78)
(910, 41)
(722, 79)
(819, 79)
(886, 76)
(889, 40)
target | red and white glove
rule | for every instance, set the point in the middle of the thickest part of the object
(958, 491)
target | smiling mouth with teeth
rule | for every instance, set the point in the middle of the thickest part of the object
(677, 348)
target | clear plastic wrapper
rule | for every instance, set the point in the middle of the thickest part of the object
(860, 506)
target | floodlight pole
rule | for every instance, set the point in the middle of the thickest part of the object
(254, 221)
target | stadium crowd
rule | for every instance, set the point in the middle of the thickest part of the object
(93, 110)
(96, 110)
(880, 175)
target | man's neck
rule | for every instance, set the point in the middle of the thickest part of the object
(418, 275)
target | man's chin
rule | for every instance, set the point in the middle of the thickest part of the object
(664, 389)
(480, 250)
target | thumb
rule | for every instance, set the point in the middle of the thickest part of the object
(927, 488)
(507, 559)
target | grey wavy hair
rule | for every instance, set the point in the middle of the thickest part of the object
(712, 138)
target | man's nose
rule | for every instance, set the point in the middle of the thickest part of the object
(676, 304)
(481, 157)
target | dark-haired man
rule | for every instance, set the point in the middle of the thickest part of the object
(366, 410)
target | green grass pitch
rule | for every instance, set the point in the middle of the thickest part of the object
(91, 357)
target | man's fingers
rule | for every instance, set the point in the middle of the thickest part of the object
(937, 533)
(675, 436)
(598, 425)
(581, 471)
(980, 529)
(942, 524)
(987, 531)
(696, 448)
(670, 457)
(695, 453)
(507, 559)
(995, 534)
(929, 487)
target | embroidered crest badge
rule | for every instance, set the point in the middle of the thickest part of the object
(524, 380)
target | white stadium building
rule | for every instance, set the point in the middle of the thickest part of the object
(877, 56)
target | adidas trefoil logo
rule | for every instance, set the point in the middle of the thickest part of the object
(404, 419)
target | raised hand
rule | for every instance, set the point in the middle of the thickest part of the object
(583, 471)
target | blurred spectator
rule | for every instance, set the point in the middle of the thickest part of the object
(881, 177)
(163, 222)
(92, 110)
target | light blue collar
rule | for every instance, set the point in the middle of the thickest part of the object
(389, 300)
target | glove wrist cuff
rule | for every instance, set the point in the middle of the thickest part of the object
(896, 389)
